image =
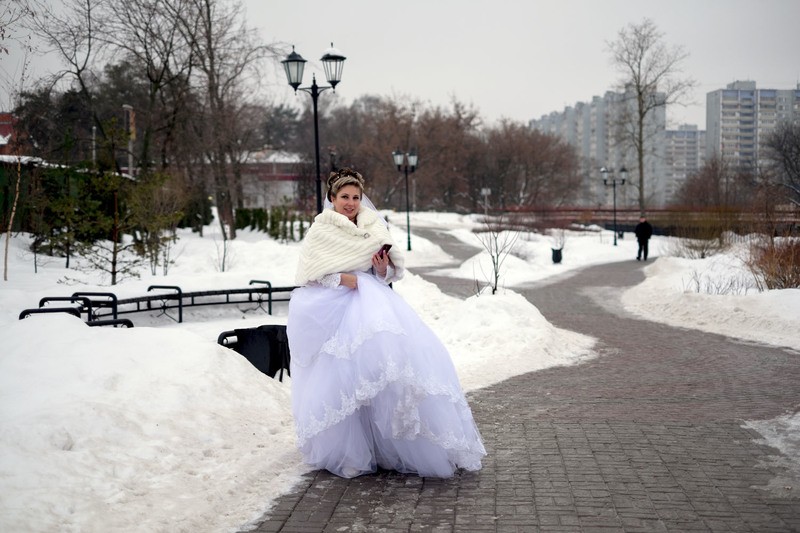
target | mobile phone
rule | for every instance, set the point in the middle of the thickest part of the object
(385, 249)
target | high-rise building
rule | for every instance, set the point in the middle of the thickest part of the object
(741, 116)
(597, 131)
(684, 153)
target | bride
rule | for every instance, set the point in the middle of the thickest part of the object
(372, 385)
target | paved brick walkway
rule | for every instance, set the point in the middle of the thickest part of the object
(646, 437)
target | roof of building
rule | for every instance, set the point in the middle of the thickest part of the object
(274, 156)
(24, 159)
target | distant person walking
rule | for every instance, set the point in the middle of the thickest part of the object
(643, 233)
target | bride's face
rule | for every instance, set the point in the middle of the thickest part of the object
(348, 201)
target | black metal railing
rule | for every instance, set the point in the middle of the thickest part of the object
(104, 308)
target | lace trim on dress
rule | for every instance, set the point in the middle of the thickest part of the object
(342, 349)
(388, 277)
(331, 281)
(406, 422)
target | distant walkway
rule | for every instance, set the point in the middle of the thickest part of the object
(646, 437)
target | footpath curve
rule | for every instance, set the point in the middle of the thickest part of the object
(648, 436)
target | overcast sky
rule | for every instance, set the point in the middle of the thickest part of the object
(522, 59)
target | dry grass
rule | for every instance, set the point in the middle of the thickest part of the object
(776, 263)
(699, 236)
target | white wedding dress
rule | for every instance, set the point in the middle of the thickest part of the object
(372, 386)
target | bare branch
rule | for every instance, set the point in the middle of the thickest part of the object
(782, 149)
(651, 74)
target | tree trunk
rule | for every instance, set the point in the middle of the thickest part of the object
(640, 153)
(11, 218)
(114, 238)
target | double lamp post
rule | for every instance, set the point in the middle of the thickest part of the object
(333, 62)
(406, 162)
(612, 180)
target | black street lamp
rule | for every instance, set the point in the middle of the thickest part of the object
(623, 172)
(130, 127)
(410, 159)
(333, 61)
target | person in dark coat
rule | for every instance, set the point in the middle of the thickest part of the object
(643, 233)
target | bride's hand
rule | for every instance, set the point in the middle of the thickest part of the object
(349, 280)
(380, 262)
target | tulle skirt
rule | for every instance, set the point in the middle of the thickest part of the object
(372, 386)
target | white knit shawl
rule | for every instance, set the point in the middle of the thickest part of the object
(334, 244)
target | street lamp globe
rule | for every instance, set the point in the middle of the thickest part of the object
(412, 160)
(333, 62)
(294, 65)
(398, 157)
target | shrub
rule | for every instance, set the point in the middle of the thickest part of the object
(694, 248)
(776, 263)
(714, 284)
(699, 235)
(279, 222)
(243, 218)
(259, 219)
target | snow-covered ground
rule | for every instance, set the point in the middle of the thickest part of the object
(158, 428)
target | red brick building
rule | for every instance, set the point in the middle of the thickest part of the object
(6, 133)
(269, 177)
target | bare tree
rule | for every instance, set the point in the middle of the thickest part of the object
(446, 176)
(707, 187)
(650, 71)
(783, 151)
(11, 217)
(145, 31)
(13, 15)
(367, 132)
(717, 185)
(529, 168)
(70, 33)
(458, 155)
(498, 239)
(224, 53)
(155, 206)
(364, 135)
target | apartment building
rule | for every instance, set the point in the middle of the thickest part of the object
(741, 116)
(685, 154)
(597, 130)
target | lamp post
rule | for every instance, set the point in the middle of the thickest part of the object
(333, 62)
(404, 161)
(131, 128)
(332, 157)
(623, 172)
(486, 192)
